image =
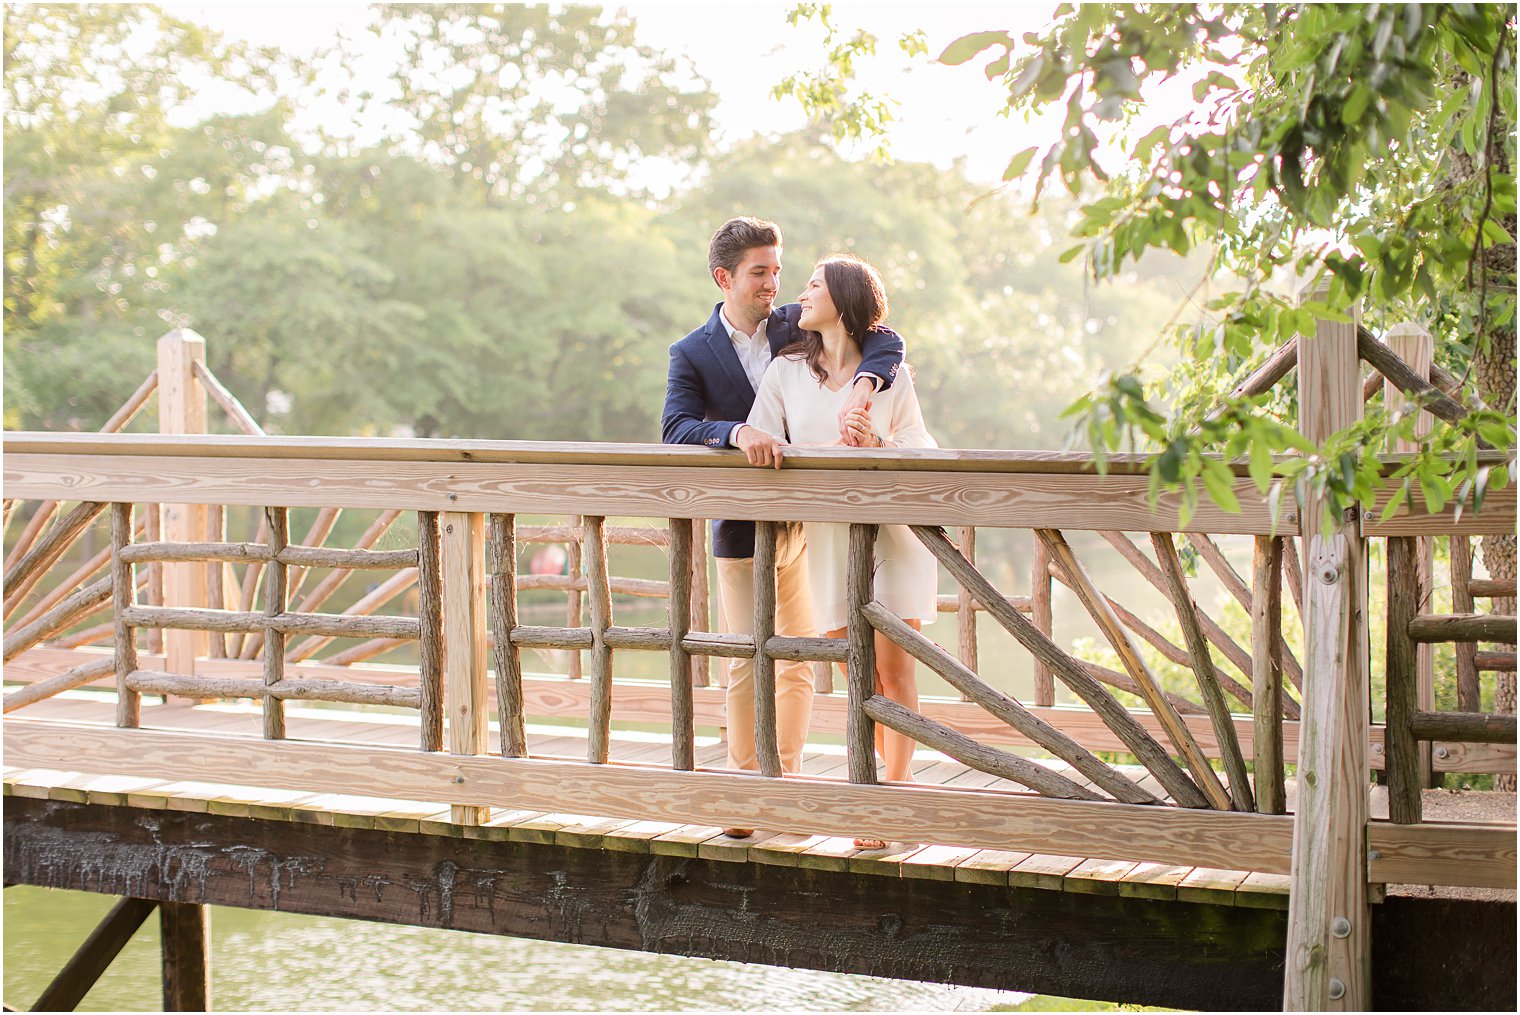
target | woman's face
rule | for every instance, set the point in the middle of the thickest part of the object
(818, 310)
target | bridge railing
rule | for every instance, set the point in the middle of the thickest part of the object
(467, 497)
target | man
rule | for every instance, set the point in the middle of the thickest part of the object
(714, 374)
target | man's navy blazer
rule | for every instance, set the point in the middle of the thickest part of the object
(707, 393)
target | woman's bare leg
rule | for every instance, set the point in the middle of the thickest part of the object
(896, 678)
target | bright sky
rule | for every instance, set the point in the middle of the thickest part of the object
(744, 49)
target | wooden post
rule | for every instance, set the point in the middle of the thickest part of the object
(124, 595)
(1402, 758)
(767, 750)
(1469, 691)
(701, 598)
(464, 640)
(860, 731)
(182, 410)
(92, 959)
(185, 937)
(1329, 945)
(509, 691)
(1042, 617)
(573, 599)
(274, 605)
(599, 593)
(1267, 674)
(216, 585)
(1414, 346)
(965, 614)
(430, 616)
(682, 733)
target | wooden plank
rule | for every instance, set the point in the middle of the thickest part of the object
(1401, 751)
(1203, 671)
(974, 818)
(430, 664)
(1002, 706)
(102, 946)
(1267, 676)
(767, 744)
(886, 495)
(1097, 877)
(860, 731)
(182, 410)
(1043, 870)
(503, 606)
(464, 642)
(1473, 854)
(682, 716)
(1210, 885)
(1264, 891)
(1198, 766)
(1153, 881)
(599, 596)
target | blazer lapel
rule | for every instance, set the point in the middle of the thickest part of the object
(723, 348)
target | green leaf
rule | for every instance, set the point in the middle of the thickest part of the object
(968, 46)
(1261, 464)
(1220, 484)
(1019, 163)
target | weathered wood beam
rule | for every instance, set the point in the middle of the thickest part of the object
(462, 539)
(184, 931)
(61, 617)
(1491, 588)
(1236, 586)
(236, 413)
(377, 597)
(128, 704)
(94, 956)
(1464, 727)
(968, 752)
(683, 749)
(1072, 673)
(291, 688)
(335, 625)
(973, 688)
(1463, 627)
(431, 666)
(860, 730)
(1469, 693)
(1402, 376)
(25, 570)
(1204, 672)
(599, 598)
(1197, 762)
(291, 554)
(1266, 667)
(767, 748)
(965, 618)
(1491, 662)
(502, 546)
(1043, 618)
(65, 681)
(275, 602)
(1401, 748)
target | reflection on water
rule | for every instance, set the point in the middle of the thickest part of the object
(279, 961)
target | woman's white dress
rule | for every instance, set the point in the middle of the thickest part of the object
(795, 407)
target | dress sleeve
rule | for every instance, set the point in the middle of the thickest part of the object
(907, 422)
(769, 411)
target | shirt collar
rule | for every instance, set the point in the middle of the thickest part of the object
(735, 334)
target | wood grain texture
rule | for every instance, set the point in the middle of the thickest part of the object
(1489, 662)
(24, 570)
(965, 619)
(69, 679)
(182, 410)
(701, 598)
(291, 688)
(767, 744)
(430, 659)
(1266, 667)
(920, 813)
(228, 402)
(900, 495)
(123, 594)
(1097, 607)
(1467, 727)
(1003, 707)
(69, 585)
(502, 545)
(1204, 672)
(1457, 853)
(1401, 751)
(860, 731)
(1489, 588)
(1042, 617)
(275, 587)
(184, 933)
(1469, 627)
(972, 754)
(327, 624)
(1411, 379)
(682, 717)
(371, 601)
(302, 556)
(599, 597)
(66, 614)
(462, 536)
(1117, 718)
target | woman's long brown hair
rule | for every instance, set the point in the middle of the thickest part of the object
(859, 296)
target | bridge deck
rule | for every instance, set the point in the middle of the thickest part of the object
(945, 862)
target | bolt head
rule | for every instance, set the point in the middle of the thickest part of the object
(1337, 988)
(1442, 753)
(1340, 927)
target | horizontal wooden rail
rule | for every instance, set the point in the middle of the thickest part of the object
(150, 682)
(302, 556)
(647, 588)
(1495, 662)
(1492, 588)
(1464, 727)
(331, 624)
(613, 534)
(1463, 627)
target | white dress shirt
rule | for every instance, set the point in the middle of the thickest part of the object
(754, 353)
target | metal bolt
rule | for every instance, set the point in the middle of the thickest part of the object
(1442, 753)
(1373, 854)
(453, 496)
(1337, 988)
(1377, 748)
(1293, 517)
(1340, 927)
(459, 780)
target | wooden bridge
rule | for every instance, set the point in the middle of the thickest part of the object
(1217, 845)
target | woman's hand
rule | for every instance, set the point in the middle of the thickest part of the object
(855, 428)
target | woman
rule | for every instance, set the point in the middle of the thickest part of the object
(799, 401)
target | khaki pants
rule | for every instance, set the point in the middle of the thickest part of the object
(794, 680)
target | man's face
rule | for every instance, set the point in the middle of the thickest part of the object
(751, 290)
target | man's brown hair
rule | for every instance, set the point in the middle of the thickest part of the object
(734, 237)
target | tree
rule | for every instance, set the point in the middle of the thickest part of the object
(1322, 143)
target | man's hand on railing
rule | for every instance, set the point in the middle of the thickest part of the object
(759, 447)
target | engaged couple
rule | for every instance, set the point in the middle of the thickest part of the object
(823, 371)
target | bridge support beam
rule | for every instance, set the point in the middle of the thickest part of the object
(185, 938)
(1329, 940)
